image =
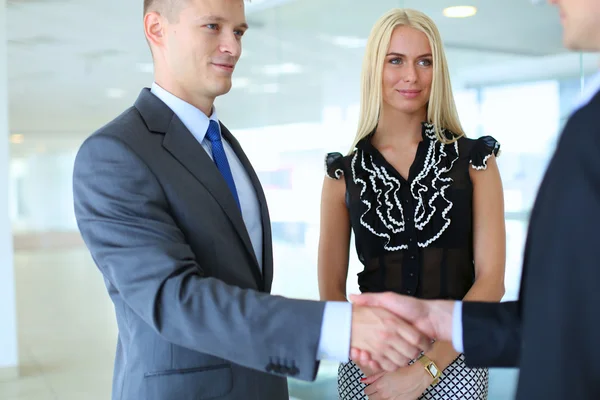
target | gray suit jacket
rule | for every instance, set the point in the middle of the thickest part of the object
(194, 314)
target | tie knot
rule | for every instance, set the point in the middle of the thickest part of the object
(213, 133)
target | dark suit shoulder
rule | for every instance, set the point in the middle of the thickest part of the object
(129, 129)
(580, 141)
(128, 126)
(586, 117)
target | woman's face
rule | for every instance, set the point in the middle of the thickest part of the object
(407, 71)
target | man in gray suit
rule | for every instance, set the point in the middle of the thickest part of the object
(177, 222)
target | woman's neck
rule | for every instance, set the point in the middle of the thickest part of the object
(399, 128)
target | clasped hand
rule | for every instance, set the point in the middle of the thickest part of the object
(389, 330)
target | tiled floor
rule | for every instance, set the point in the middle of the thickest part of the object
(67, 335)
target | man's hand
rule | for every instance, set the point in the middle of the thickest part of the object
(433, 318)
(389, 340)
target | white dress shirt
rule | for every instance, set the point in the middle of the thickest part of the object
(591, 88)
(334, 342)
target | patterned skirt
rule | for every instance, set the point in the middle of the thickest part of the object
(458, 382)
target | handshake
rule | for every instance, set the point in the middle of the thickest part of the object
(389, 330)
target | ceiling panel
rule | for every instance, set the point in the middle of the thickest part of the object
(66, 57)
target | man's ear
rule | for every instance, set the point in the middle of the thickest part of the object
(154, 28)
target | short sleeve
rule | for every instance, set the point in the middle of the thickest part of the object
(483, 149)
(334, 166)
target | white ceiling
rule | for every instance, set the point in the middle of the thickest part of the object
(64, 56)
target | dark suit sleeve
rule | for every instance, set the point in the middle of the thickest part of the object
(123, 216)
(491, 334)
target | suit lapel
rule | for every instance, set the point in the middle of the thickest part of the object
(264, 211)
(182, 145)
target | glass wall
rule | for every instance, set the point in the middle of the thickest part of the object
(295, 98)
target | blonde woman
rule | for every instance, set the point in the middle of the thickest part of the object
(425, 205)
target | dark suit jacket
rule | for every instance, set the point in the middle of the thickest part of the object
(552, 331)
(194, 315)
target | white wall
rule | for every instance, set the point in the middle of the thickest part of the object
(41, 198)
(8, 324)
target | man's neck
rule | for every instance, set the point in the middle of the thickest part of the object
(201, 103)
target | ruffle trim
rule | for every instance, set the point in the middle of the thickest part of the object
(483, 149)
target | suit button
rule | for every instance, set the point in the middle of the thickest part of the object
(294, 371)
(408, 292)
(285, 370)
(269, 367)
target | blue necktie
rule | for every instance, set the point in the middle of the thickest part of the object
(220, 158)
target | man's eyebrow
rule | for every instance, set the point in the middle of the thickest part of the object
(216, 18)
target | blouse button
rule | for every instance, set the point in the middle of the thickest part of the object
(411, 274)
(412, 257)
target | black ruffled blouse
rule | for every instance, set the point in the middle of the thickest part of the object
(414, 236)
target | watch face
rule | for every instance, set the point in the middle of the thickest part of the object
(433, 369)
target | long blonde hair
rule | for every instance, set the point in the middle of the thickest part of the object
(441, 109)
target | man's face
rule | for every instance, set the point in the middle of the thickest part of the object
(581, 23)
(201, 45)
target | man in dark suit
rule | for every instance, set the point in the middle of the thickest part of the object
(551, 332)
(177, 222)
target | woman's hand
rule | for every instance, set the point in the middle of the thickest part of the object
(407, 383)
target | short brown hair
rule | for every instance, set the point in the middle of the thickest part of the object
(147, 5)
(166, 8)
(150, 5)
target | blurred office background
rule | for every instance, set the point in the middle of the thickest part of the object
(72, 66)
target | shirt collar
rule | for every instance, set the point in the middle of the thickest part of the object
(194, 120)
(592, 86)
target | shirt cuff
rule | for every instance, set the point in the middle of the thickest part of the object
(334, 343)
(457, 328)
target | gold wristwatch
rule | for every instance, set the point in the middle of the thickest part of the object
(431, 368)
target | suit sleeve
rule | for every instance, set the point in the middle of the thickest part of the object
(123, 216)
(491, 334)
